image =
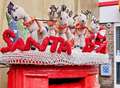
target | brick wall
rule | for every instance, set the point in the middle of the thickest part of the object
(107, 82)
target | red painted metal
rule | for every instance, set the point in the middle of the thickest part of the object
(31, 76)
(35, 81)
(108, 3)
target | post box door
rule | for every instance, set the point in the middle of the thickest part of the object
(35, 81)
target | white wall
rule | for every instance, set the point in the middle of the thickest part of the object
(109, 14)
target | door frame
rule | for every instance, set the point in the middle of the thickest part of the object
(116, 58)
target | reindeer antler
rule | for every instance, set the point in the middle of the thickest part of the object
(10, 7)
(88, 13)
(52, 11)
(75, 16)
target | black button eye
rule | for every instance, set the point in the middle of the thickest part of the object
(15, 18)
(60, 18)
(83, 21)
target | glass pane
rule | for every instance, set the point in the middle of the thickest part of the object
(118, 40)
(118, 73)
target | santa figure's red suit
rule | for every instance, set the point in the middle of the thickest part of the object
(89, 43)
(102, 48)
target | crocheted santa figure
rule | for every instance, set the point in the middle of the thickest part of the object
(101, 42)
(101, 35)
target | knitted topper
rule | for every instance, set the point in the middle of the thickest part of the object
(62, 29)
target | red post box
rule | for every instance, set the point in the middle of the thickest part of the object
(32, 76)
(51, 70)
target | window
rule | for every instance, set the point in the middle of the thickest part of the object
(118, 72)
(118, 40)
